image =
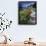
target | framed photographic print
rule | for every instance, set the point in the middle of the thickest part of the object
(27, 12)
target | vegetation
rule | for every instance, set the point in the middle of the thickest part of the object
(24, 16)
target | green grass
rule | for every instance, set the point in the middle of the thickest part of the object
(24, 16)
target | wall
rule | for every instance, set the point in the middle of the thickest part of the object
(21, 32)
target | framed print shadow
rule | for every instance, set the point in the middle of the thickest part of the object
(27, 12)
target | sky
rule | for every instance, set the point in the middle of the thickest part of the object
(18, 33)
(25, 4)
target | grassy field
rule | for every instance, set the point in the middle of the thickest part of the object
(24, 16)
